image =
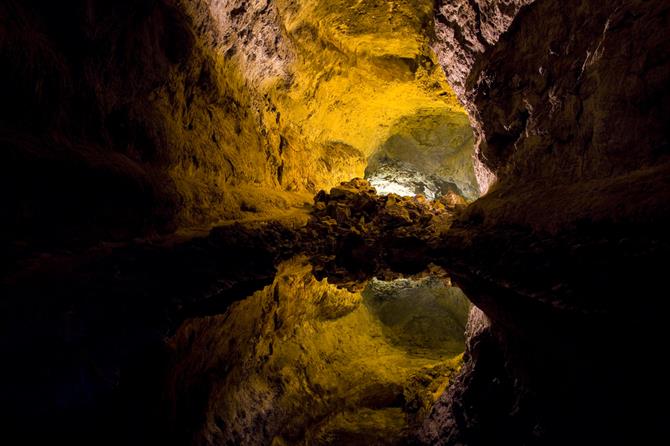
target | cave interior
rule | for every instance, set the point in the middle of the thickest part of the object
(334, 222)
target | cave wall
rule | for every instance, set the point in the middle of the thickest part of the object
(563, 254)
(464, 31)
(581, 104)
(126, 118)
(129, 118)
(122, 118)
(433, 148)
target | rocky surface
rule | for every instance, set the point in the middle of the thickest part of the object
(124, 119)
(353, 233)
(138, 117)
(141, 117)
(433, 149)
(93, 323)
(464, 32)
(571, 127)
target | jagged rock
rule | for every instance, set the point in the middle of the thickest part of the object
(372, 233)
(571, 145)
(143, 116)
(158, 115)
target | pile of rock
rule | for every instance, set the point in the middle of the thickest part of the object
(354, 228)
(355, 207)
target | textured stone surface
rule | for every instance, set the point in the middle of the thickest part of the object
(354, 234)
(572, 126)
(126, 118)
(464, 31)
(431, 148)
(122, 119)
(152, 115)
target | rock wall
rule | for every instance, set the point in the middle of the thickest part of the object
(429, 148)
(568, 106)
(124, 119)
(464, 32)
(565, 107)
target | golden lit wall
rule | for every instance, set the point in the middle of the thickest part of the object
(360, 67)
(326, 92)
(195, 111)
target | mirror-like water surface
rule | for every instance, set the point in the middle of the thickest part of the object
(305, 362)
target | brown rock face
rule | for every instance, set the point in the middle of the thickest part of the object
(573, 104)
(569, 107)
(465, 30)
(121, 119)
(354, 234)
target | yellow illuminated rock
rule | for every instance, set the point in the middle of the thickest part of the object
(360, 68)
(344, 76)
(207, 110)
(303, 362)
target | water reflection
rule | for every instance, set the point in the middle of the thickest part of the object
(425, 316)
(304, 362)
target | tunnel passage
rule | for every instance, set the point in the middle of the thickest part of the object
(194, 113)
(428, 153)
(422, 316)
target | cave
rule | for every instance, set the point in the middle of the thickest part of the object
(334, 222)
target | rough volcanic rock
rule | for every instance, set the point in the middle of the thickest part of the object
(120, 120)
(353, 233)
(464, 31)
(428, 153)
(572, 125)
(126, 118)
(572, 105)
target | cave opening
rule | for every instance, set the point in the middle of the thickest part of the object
(429, 153)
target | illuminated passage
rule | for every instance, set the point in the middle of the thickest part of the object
(427, 153)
